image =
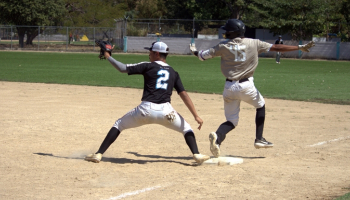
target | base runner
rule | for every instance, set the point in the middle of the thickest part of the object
(239, 59)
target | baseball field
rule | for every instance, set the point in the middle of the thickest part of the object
(58, 107)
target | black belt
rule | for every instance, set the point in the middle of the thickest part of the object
(240, 81)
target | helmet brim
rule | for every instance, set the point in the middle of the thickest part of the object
(223, 27)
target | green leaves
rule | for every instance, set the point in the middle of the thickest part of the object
(93, 13)
(32, 12)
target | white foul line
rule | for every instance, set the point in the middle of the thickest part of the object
(325, 142)
(134, 192)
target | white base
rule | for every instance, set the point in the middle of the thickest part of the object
(223, 161)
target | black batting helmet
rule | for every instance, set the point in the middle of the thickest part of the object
(234, 28)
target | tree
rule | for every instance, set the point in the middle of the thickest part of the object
(345, 22)
(151, 8)
(299, 18)
(27, 14)
(93, 13)
(185, 9)
(203, 10)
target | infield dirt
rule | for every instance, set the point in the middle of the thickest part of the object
(47, 129)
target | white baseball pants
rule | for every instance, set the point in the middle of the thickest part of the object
(236, 92)
(152, 113)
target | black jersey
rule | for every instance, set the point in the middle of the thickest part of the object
(279, 41)
(159, 80)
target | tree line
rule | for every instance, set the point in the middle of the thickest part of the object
(300, 18)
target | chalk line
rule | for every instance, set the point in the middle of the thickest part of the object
(134, 192)
(325, 142)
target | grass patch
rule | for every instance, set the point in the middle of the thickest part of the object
(345, 197)
(302, 80)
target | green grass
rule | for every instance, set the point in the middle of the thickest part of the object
(304, 80)
(345, 197)
(15, 42)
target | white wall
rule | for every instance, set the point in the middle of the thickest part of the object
(322, 50)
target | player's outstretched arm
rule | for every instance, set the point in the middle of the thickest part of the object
(116, 64)
(188, 102)
(283, 48)
(202, 55)
(286, 48)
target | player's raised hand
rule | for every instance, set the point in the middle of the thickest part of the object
(193, 48)
(306, 47)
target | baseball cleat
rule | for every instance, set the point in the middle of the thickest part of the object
(95, 157)
(214, 148)
(262, 143)
(200, 158)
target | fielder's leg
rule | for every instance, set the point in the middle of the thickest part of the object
(192, 144)
(260, 142)
(278, 56)
(109, 139)
(178, 123)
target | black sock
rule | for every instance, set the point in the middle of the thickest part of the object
(191, 142)
(259, 122)
(223, 129)
(109, 139)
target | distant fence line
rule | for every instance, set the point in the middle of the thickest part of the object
(82, 39)
(59, 38)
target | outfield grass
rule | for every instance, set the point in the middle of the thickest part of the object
(305, 80)
(345, 197)
(16, 42)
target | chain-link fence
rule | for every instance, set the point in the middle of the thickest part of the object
(190, 28)
(131, 35)
(49, 38)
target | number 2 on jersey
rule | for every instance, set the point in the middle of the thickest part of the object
(161, 81)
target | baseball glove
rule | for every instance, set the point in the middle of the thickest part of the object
(105, 46)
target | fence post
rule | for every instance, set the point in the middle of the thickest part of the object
(300, 43)
(38, 37)
(11, 37)
(193, 28)
(68, 39)
(125, 44)
(94, 39)
(338, 50)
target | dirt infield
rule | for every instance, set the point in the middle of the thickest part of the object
(47, 129)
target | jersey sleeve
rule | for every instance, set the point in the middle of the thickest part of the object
(137, 68)
(263, 46)
(178, 84)
(216, 50)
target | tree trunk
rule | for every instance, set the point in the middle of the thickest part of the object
(31, 34)
(235, 10)
(21, 31)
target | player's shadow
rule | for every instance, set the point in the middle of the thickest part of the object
(188, 158)
(157, 156)
(245, 157)
(129, 161)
